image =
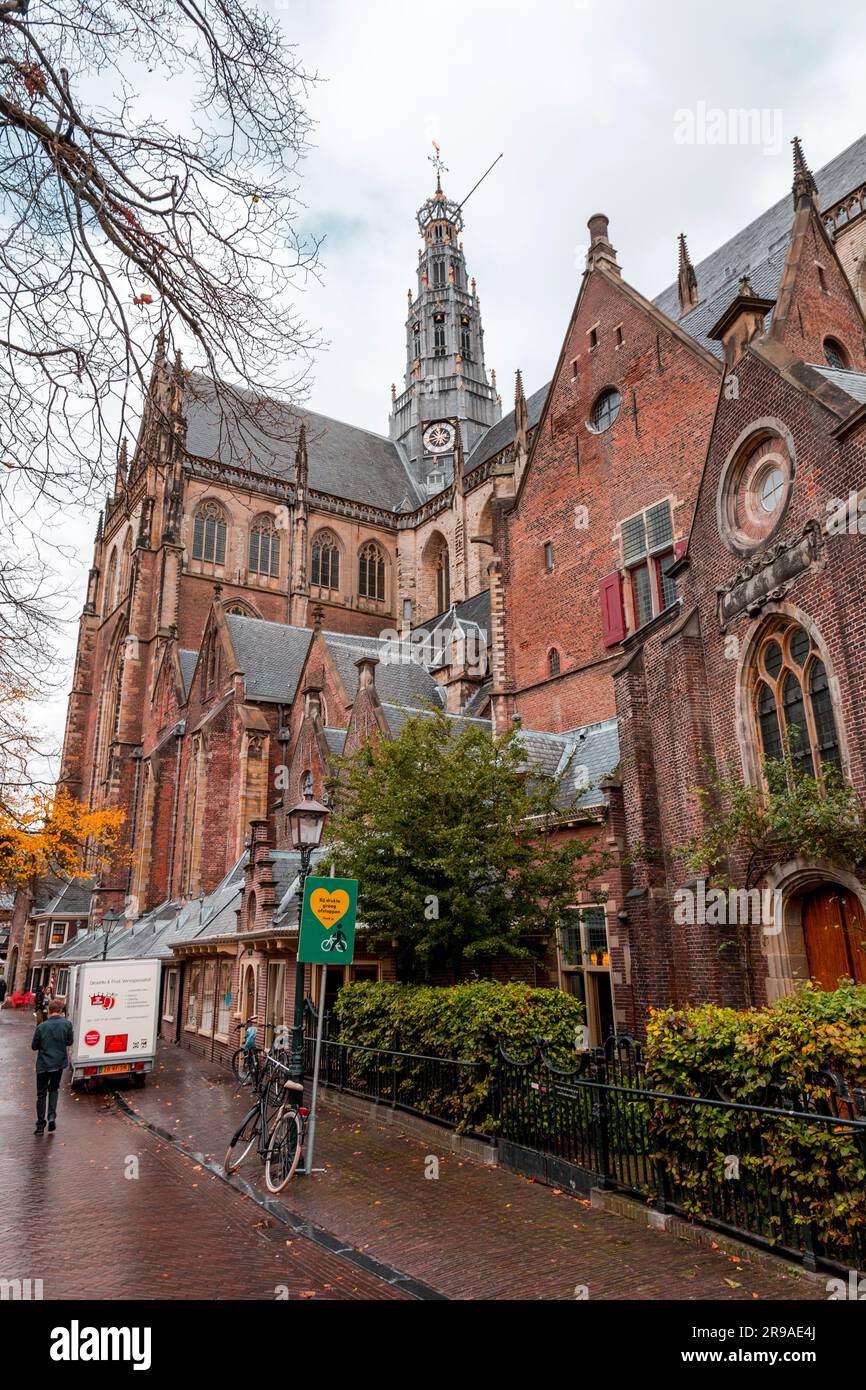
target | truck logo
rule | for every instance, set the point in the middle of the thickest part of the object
(91, 1038)
(103, 1001)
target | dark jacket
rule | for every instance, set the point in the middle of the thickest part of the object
(50, 1041)
(3, 988)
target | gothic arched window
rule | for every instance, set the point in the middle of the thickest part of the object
(125, 565)
(325, 564)
(264, 550)
(209, 534)
(110, 584)
(371, 572)
(792, 700)
(443, 580)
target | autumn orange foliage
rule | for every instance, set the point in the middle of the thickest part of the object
(51, 833)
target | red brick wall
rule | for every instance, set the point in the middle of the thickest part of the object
(654, 450)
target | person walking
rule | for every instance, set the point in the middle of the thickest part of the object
(39, 1003)
(3, 988)
(50, 1042)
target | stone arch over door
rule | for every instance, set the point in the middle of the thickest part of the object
(792, 946)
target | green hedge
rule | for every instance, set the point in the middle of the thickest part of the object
(466, 1022)
(807, 1172)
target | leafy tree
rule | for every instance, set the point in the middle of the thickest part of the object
(46, 834)
(450, 839)
(795, 815)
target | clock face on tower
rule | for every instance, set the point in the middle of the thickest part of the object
(439, 438)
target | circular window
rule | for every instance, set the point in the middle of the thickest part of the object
(754, 490)
(605, 411)
(770, 487)
(835, 354)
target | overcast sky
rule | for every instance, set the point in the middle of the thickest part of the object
(584, 98)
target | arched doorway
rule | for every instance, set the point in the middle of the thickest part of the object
(13, 969)
(834, 931)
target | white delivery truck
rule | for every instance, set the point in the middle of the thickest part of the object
(114, 1009)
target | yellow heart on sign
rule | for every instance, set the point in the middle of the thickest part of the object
(329, 907)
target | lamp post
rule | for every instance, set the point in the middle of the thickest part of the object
(110, 920)
(306, 825)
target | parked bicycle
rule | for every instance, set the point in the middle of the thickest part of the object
(279, 1137)
(246, 1060)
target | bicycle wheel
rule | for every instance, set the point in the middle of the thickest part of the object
(243, 1068)
(284, 1150)
(243, 1140)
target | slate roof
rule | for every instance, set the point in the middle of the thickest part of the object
(271, 656)
(405, 682)
(59, 899)
(472, 610)
(187, 661)
(343, 460)
(500, 435)
(580, 756)
(852, 383)
(759, 249)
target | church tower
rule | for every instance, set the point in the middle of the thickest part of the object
(445, 380)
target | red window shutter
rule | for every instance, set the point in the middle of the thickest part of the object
(612, 611)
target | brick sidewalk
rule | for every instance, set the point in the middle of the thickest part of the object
(475, 1233)
(72, 1216)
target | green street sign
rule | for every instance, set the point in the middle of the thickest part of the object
(328, 921)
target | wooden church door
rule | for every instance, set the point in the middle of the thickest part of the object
(834, 927)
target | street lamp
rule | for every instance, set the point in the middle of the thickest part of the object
(306, 825)
(110, 920)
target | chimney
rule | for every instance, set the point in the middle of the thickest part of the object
(601, 254)
(367, 672)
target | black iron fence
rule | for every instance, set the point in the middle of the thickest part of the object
(788, 1174)
(442, 1089)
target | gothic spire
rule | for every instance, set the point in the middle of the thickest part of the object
(521, 418)
(804, 183)
(687, 281)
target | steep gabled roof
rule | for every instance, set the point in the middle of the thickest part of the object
(343, 460)
(271, 656)
(404, 682)
(759, 249)
(500, 435)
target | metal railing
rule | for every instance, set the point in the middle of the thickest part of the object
(442, 1089)
(747, 1168)
(744, 1168)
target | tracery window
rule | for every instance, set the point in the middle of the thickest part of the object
(792, 700)
(264, 548)
(325, 563)
(371, 572)
(443, 580)
(209, 534)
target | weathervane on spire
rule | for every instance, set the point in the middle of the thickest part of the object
(438, 164)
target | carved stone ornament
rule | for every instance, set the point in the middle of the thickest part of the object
(768, 576)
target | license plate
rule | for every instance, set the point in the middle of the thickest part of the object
(114, 1067)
